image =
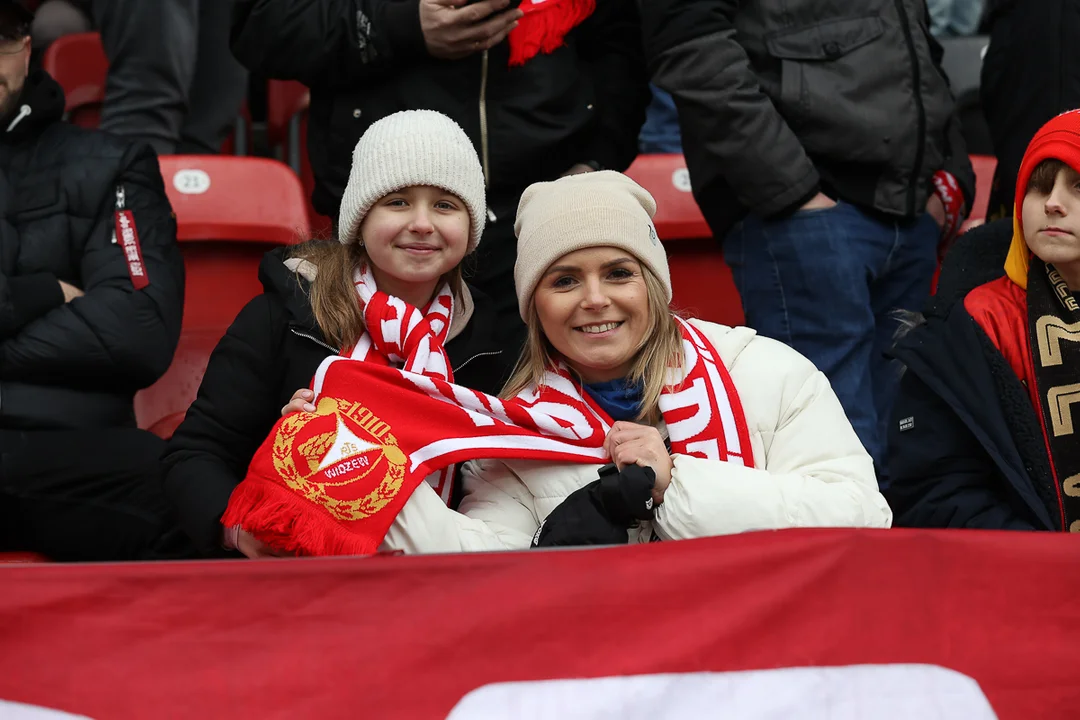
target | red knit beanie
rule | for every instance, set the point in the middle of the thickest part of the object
(1058, 139)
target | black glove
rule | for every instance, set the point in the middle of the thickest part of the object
(601, 512)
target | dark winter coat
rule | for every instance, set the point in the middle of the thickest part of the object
(366, 59)
(965, 445)
(780, 98)
(79, 364)
(272, 349)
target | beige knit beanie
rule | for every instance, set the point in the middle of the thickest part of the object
(413, 147)
(593, 209)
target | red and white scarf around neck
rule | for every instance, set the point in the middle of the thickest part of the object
(414, 340)
(331, 482)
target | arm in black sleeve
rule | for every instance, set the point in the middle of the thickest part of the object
(326, 42)
(237, 406)
(731, 130)
(114, 336)
(26, 297)
(940, 476)
(611, 48)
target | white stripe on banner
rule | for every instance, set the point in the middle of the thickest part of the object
(440, 448)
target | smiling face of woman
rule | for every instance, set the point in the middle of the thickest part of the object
(593, 307)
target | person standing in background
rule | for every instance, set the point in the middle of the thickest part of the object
(1030, 74)
(542, 90)
(172, 81)
(823, 147)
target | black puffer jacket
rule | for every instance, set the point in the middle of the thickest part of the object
(78, 365)
(778, 98)
(966, 448)
(273, 349)
(366, 59)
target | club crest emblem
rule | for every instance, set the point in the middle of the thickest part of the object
(342, 457)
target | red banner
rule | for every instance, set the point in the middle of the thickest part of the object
(415, 637)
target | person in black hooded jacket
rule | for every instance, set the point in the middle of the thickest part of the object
(413, 208)
(984, 433)
(965, 448)
(575, 106)
(86, 320)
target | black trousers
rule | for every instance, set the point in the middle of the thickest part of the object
(173, 81)
(76, 495)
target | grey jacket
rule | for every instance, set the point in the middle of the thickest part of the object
(780, 98)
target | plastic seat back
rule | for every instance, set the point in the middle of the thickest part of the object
(984, 166)
(78, 63)
(230, 211)
(700, 279)
(287, 104)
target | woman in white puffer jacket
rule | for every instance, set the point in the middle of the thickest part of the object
(593, 287)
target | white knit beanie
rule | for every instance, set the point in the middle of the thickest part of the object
(413, 147)
(593, 209)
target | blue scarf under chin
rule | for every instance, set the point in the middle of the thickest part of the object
(621, 399)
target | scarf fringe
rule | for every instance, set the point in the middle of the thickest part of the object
(284, 520)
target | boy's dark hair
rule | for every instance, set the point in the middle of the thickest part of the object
(15, 20)
(1044, 175)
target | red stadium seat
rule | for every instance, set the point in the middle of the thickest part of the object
(700, 277)
(78, 63)
(984, 166)
(230, 211)
(286, 128)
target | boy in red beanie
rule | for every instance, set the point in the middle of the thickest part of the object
(984, 434)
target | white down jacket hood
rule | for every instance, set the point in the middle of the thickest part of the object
(812, 471)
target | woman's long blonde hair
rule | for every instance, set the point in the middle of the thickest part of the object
(333, 297)
(661, 351)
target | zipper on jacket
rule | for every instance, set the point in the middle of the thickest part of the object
(121, 200)
(483, 119)
(916, 80)
(315, 340)
(477, 355)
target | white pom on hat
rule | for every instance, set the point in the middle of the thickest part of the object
(593, 209)
(409, 148)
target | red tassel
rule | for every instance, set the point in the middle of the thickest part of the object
(544, 26)
(286, 521)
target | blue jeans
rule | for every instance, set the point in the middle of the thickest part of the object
(828, 283)
(660, 133)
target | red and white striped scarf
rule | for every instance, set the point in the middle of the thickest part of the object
(332, 481)
(400, 334)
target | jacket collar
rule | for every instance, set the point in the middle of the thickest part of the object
(977, 258)
(40, 104)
